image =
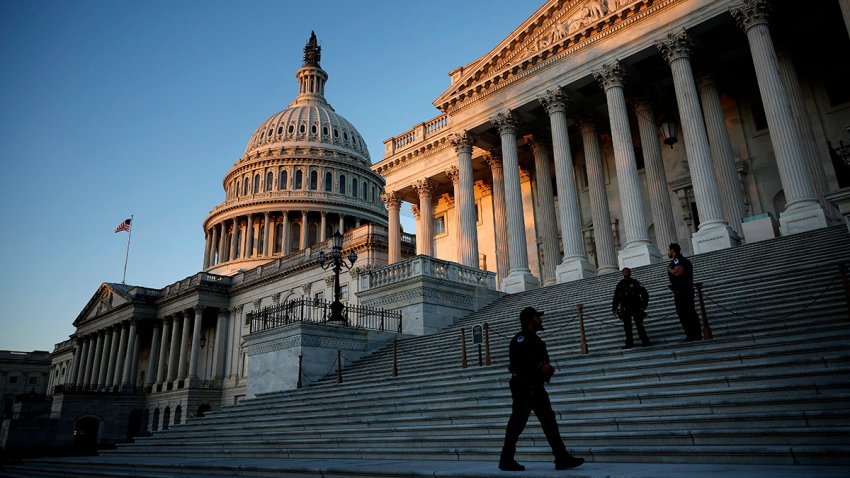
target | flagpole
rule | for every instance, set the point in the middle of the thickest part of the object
(127, 254)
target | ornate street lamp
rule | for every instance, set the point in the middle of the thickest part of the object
(669, 130)
(336, 262)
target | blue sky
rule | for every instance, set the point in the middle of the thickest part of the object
(112, 108)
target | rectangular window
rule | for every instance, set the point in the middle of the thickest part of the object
(440, 225)
(319, 297)
(343, 292)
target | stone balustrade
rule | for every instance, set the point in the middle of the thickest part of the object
(426, 266)
(416, 135)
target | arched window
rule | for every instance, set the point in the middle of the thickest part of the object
(237, 188)
(245, 189)
(299, 179)
(295, 237)
(363, 191)
(313, 234)
(155, 422)
(238, 233)
(281, 180)
(178, 414)
(278, 238)
(269, 180)
(314, 180)
(342, 184)
(256, 183)
(166, 418)
(354, 187)
(329, 182)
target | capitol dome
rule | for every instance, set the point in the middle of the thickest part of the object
(305, 174)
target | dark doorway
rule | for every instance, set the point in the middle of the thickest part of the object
(85, 432)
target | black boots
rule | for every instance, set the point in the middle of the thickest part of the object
(510, 466)
(567, 462)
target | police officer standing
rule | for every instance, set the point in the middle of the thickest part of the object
(530, 369)
(630, 302)
(681, 275)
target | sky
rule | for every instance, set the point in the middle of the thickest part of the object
(113, 108)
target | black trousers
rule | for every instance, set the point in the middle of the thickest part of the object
(627, 316)
(684, 300)
(527, 398)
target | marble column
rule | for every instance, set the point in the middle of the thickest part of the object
(220, 344)
(174, 352)
(151, 373)
(323, 236)
(121, 355)
(82, 371)
(104, 359)
(804, 126)
(575, 265)
(162, 365)
(284, 243)
(519, 277)
(802, 210)
(342, 223)
(184, 346)
(303, 242)
(394, 227)
(425, 232)
(196, 343)
(845, 12)
(714, 232)
(98, 355)
(232, 255)
(494, 160)
(109, 381)
(213, 245)
(134, 362)
(249, 237)
(222, 243)
(75, 365)
(267, 236)
(731, 195)
(656, 177)
(637, 251)
(453, 173)
(127, 374)
(207, 244)
(465, 200)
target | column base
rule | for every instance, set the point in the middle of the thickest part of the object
(519, 281)
(572, 269)
(807, 217)
(714, 238)
(638, 254)
(606, 270)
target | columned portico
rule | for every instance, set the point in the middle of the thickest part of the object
(714, 232)
(637, 251)
(546, 210)
(802, 211)
(394, 229)
(196, 343)
(575, 265)
(519, 277)
(500, 226)
(425, 228)
(162, 365)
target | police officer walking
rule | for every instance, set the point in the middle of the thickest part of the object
(530, 369)
(629, 304)
(681, 275)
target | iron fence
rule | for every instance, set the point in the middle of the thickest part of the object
(318, 311)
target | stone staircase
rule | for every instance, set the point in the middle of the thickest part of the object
(772, 387)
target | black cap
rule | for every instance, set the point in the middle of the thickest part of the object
(529, 313)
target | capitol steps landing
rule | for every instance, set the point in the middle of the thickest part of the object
(772, 387)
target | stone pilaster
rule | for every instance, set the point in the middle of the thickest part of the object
(393, 203)
(153, 357)
(519, 277)
(465, 199)
(129, 363)
(575, 265)
(425, 232)
(802, 210)
(714, 232)
(105, 357)
(656, 178)
(162, 365)
(174, 353)
(731, 195)
(196, 342)
(494, 160)
(637, 250)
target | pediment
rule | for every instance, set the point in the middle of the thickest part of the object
(557, 25)
(107, 297)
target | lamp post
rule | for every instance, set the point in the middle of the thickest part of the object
(336, 262)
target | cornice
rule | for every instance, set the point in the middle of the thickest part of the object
(424, 151)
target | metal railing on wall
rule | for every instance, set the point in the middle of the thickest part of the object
(318, 312)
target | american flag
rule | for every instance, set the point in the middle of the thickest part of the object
(124, 226)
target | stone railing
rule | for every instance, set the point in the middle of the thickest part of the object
(188, 282)
(415, 135)
(426, 266)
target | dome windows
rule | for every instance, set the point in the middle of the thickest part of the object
(281, 180)
(256, 183)
(336, 133)
(299, 179)
(291, 128)
(314, 180)
(269, 180)
(279, 130)
(324, 130)
(313, 129)
(329, 182)
(245, 189)
(342, 184)
(354, 187)
(302, 128)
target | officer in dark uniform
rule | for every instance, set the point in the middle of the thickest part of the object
(530, 369)
(630, 302)
(681, 274)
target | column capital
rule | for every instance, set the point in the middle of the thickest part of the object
(555, 100)
(454, 174)
(505, 123)
(197, 308)
(750, 13)
(462, 141)
(448, 199)
(641, 105)
(611, 75)
(423, 187)
(391, 199)
(534, 142)
(493, 159)
(675, 46)
(236, 309)
(704, 80)
(415, 209)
